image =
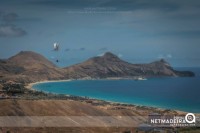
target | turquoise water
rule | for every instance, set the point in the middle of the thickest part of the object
(169, 93)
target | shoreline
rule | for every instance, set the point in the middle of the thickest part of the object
(30, 87)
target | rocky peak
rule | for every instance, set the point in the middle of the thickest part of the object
(107, 57)
(110, 57)
(163, 60)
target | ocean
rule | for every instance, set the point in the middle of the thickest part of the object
(179, 93)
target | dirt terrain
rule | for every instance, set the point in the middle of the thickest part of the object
(16, 107)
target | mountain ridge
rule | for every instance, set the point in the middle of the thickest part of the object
(28, 66)
(109, 65)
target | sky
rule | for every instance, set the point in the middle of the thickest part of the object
(138, 31)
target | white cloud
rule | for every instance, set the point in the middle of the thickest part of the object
(169, 56)
(11, 31)
(166, 56)
(10, 17)
(102, 54)
(160, 56)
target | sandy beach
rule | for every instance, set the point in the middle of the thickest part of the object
(30, 85)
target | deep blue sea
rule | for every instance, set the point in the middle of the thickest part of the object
(182, 93)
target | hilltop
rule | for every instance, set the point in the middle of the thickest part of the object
(28, 66)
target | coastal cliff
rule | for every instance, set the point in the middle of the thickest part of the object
(28, 66)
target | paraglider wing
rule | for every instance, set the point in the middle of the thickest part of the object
(56, 46)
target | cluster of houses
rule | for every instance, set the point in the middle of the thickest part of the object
(9, 89)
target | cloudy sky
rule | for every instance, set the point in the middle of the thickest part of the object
(139, 31)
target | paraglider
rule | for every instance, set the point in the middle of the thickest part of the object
(56, 48)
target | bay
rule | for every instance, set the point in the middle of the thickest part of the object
(178, 93)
